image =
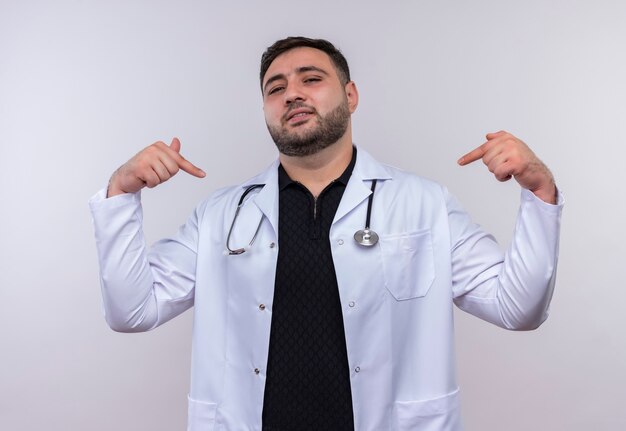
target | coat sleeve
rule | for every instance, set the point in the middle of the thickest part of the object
(512, 290)
(142, 287)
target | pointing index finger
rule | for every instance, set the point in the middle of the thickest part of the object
(184, 164)
(190, 168)
(472, 156)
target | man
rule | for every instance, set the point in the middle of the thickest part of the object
(301, 323)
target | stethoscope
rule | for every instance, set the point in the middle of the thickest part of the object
(238, 251)
(365, 237)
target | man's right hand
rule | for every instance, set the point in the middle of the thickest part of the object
(150, 167)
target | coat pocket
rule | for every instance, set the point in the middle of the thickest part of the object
(436, 414)
(408, 264)
(201, 415)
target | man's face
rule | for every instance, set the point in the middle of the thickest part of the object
(306, 106)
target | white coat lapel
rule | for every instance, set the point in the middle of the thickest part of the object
(267, 199)
(357, 190)
(359, 186)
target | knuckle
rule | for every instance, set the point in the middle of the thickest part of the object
(143, 165)
(149, 151)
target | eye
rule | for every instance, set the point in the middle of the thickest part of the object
(312, 79)
(275, 89)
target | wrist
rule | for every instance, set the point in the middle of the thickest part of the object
(112, 188)
(547, 194)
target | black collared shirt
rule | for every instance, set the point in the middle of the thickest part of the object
(308, 379)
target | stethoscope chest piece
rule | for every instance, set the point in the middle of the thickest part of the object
(366, 237)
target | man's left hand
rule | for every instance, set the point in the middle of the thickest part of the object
(508, 157)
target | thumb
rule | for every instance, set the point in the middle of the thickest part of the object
(493, 135)
(175, 145)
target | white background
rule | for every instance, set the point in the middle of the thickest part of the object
(84, 85)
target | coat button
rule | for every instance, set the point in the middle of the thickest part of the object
(257, 371)
(357, 369)
(351, 304)
(272, 244)
(340, 242)
(262, 307)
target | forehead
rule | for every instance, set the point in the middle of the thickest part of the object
(290, 61)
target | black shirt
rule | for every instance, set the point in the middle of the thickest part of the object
(308, 380)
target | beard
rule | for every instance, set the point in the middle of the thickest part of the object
(330, 128)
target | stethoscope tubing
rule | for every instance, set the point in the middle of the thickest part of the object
(370, 200)
(239, 251)
(364, 237)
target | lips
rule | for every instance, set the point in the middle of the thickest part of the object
(298, 114)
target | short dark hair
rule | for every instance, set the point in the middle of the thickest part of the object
(284, 45)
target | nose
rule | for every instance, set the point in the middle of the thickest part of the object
(293, 93)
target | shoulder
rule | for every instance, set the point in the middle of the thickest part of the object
(229, 196)
(393, 178)
(403, 181)
(221, 198)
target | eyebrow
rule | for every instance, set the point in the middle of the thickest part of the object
(299, 71)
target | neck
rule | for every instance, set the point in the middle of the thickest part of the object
(316, 171)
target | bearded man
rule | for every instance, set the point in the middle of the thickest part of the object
(304, 320)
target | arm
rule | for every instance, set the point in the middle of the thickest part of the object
(511, 290)
(514, 290)
(143, 288)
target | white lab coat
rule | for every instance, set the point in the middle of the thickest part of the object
(396, 297)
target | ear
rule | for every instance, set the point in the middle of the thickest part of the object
(353, 96)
